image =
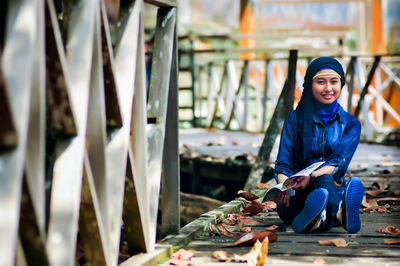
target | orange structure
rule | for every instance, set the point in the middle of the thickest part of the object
(247, 26)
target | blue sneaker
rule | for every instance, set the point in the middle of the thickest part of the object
(349, 210)
(313, 212)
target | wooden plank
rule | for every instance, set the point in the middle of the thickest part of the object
(284, 106)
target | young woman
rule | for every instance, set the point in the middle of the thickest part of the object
(320, 130)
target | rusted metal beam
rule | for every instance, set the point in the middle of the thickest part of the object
(367, 83)
(284, 106)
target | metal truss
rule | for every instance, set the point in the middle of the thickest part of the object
(110, 142)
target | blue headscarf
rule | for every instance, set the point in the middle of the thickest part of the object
(308, 105)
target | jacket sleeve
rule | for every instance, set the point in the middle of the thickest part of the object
(285, 160)
(344, 152)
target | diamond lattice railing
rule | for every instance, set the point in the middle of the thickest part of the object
(74, 112)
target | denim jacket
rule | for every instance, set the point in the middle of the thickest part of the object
(334, 142)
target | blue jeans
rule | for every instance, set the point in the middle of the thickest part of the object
(296, 203)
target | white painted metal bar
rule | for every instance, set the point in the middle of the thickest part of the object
(117, 148)
(359, 73)
(68, 169)
(138, 157)
(378, 85)
(157, 109)
(18, 54)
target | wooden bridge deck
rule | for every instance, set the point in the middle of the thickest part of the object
(374, 164)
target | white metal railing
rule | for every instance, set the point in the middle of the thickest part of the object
(225, 97)
(108, 140)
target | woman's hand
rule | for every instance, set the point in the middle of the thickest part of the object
(302, 182)
(282, 200)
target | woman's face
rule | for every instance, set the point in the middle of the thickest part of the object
(326, 88)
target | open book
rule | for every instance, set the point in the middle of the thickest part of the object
(285, 189)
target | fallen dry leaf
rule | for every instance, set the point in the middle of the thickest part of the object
(380, 185)
(377, 209)
(183, 254)
(263, 253)
(238, 258)
(391, 241)
(339, 242)
(179, 262)
(258, 253)
(263, 185)
(181, 258)
(224, 231)
(396, 199)
(374, 193)
(247, 195)
(245, 229)
(368, 203)
(389, 230)
(253, 208)
(319, 261)
(269, 205)
(220, 255)
(272, 228)
(251, 238)
(248, 221)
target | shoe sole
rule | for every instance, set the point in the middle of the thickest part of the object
(353, 194)
(314, 205)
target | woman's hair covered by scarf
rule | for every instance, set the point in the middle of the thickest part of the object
(306, 108)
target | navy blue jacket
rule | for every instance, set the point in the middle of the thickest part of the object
(334, 142)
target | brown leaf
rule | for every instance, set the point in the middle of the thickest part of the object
(220, 255)
(263, 253)
(179, 262)
(238, 258)
(248, 221)
(391, 241)
(374, 193)
(245, 229)
(339, 242)
(182, 254)
(224, 231)
(181, 257)
(319, 261)
(272, 228)
(381, 185)
(389, 230)
(247, 195)
(397, 199)
(251, 238)
(263, 185)
(269, 205)
(368, 203)
(253, 208)
(377, 209)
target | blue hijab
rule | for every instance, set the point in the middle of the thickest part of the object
(308, 105)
